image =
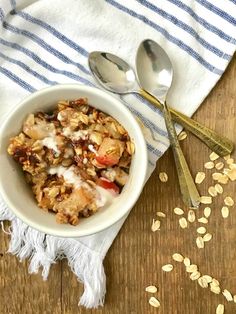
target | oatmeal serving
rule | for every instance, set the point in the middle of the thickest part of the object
(76, 158)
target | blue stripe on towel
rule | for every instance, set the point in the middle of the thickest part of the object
(47, 66)
(211, 7)
(203, 22)
(17, 80)
(53, 31)
(44, 45)
(168, 36)
(186, 28)
(28, 69)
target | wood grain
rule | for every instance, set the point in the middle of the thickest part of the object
(135, 259)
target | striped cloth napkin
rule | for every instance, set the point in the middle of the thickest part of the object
(47, 42)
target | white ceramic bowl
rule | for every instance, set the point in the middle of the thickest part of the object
(18, 195)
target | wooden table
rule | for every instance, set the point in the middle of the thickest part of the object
(137, 255)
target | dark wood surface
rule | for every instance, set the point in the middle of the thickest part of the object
(137, 255)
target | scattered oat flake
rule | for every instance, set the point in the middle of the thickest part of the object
(195, 275)
(220, 309)
(182, 136)
(207, 237)
(214, 289)
(203, 220)
(151, 289)
(167, 267)
(209, 165)
(191, 268)
(213, 156)
(178, 211)
(234, 298)
(207, 212)
(154, 302)
(230, 161)
(201, 230)
(163, 176)
(178, 257)
(206, 199)
(229, 201)
(191, 216)
(225, 212)
(232, 166)
(219, 165)
(227, 295)
(183, 223)
(212, 191)
(200, 176)
(161, 214)
(203, 282)
(227, 157)
(216, 176)
(215, 282)
(218, 188)
(187, 261)
(155, 225)
(200, 242)
(231, 174)
(223, 179)
(207, 278)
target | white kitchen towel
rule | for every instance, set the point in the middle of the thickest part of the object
(47, 42)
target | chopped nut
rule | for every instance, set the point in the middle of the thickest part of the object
(227, 157)
(213, 156)
(203, 220)
(225, 212)
(178, 257)
(229, 201)
(154, 302)
(155, 225)
(191, 216)
(167, 267)
(130, 147)
(201, 230)
(209, 165)
(218, 188)
(200, 176)
(183, 223)
(231, 173)
(219, 165)
(151, 289)
(182, 136)
(227, 294)
(178, 211)
(163, 177)
(200, 242)
(207, 212)
(161, 214)
(220, 309)
(206, 199)
(207, 237)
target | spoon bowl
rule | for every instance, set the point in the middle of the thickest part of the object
(113, 73)
(154, 69)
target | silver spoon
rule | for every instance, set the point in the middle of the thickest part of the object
(155, 74)
(115, 75)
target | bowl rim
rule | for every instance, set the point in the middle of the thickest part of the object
(142, 170)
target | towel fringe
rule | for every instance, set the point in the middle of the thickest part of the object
(43, 250)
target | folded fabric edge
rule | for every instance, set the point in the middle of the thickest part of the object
(43, 250)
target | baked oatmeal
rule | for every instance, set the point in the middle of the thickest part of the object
(76, 159)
